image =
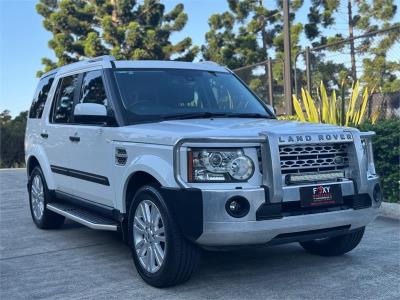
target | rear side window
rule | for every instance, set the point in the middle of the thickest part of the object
(92, 90)
(40, 97)
(64, 102)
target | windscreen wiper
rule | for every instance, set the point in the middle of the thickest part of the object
(248, 115)
(205, 115)
(198, 115)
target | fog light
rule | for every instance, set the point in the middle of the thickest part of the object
(377, 194)
(237, 206)
(234, 206)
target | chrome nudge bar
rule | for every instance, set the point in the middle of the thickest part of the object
(367, 134)
(208, 140)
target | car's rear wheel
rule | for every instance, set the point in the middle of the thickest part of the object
(163, 257)
(39, 196)
(337, 245)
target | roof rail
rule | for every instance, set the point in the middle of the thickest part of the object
(208, 62)
(101, 58)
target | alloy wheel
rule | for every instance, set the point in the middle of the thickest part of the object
(149, 236)
(37, 197)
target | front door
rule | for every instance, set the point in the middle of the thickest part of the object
(91, 156)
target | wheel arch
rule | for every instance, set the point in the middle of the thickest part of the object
(31, 164)
(143, 170)
(134, 182)
(38, 158)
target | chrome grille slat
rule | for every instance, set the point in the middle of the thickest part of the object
(337, 152)
(313, 157)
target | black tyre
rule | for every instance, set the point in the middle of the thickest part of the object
(162, 256)
(334, 246)
(39, 196)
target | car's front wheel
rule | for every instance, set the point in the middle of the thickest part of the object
(39, 196)
(337, 245)
(163, 257)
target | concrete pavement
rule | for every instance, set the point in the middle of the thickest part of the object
(79, 263)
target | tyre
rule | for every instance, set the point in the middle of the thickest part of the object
(39, 196)
(334, 246)
(162, 256)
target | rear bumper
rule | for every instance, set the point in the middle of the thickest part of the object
(202, 215)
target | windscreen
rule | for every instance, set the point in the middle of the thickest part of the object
(169, 93)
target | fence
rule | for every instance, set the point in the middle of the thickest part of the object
(334, 64)
(373, 59)
(266, 80)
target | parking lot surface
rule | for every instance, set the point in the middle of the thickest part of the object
(79, 263)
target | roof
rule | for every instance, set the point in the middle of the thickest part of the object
(167, 64)
(108, 61)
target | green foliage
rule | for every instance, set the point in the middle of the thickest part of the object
(250, 32)
(126, 29)
(12, 139)
(379, 70)
(386, 146)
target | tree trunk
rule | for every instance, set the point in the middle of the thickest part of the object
(351, 36)
(265, 51)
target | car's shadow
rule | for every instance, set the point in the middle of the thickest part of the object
(253, 265)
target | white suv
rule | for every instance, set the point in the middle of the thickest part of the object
(177, 156)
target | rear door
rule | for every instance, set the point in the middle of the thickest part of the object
(57, 130)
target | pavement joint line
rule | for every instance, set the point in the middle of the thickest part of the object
(53, 251)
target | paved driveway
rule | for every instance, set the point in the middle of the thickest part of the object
(78, 263)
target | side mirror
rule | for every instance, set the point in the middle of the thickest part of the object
(271, 109)
(90, 113)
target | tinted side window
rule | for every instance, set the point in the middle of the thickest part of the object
(40, 97)
(92, 90)
(63, 107)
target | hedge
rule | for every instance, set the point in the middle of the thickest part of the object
(386, 146)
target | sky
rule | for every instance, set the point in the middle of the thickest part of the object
(23, 42)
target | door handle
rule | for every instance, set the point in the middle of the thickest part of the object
(74, 138)
(44, 135)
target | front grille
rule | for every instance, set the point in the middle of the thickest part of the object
(313, 158)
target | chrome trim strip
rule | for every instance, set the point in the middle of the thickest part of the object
(208, 140)
(80, 220)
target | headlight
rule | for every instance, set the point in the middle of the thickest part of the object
(368, 154)
(219, 165)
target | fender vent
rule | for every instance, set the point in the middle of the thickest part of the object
(120, 156)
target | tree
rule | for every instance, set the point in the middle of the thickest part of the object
(12, 139)
(362, 17)
(251, 32)
(123, 28)
(379, 70)
(320, 17)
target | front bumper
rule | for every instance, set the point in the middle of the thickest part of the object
(203, 218)
(262, 232)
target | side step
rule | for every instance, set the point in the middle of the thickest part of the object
(83, 216)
